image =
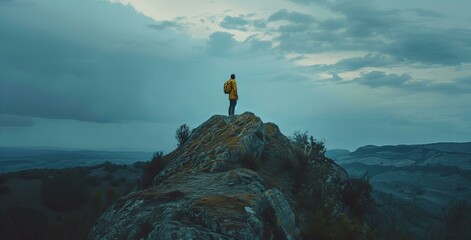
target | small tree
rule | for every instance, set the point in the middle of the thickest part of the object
(356, 195)
(455, 217)
(182, 134)
(312, 148)
(153, 168)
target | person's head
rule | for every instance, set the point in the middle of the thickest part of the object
(233, 76)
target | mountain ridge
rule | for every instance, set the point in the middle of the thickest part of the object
(234, 178)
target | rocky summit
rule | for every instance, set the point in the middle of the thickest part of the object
(232, 179)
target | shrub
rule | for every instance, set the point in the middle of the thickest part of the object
(182, 134)
(109, 167)
(356, 195)
(153, 168)
(64, 191)
(308, 146)
(319, 196)
(300, 170)
(456, 219)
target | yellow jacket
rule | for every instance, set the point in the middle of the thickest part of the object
(233, 94)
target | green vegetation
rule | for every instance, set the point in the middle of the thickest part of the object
(182, 134)
(75, 197)
(356, 195)
(456, 218)
(320, 197)
(65, 190)
(153, 168)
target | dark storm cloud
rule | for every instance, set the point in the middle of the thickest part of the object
(363, 20)
(237, 23)
(376, 79)
(304, 34)
(432, 46)
(29, 100)
(50, 70)
(15, 121)
(405, 82)
(362, 26)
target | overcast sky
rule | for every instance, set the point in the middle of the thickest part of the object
(126, 73)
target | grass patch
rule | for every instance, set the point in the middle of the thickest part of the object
(223, 205)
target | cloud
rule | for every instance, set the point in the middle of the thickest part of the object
(432, 46)
(15, 121)
(259, 46)
(295, 17)
(455, 86)
(237, 23)
(164, 25)
(29, 100)
(427, 13)
(376, 79)
(357, 63)
(93, 72)
(307, 2)
(363, 26)
(220, 44)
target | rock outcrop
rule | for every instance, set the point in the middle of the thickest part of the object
(230, 180)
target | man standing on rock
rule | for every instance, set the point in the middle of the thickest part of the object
(230, 87)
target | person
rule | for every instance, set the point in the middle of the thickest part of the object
(233, 96)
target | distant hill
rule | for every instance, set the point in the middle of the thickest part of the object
(19, 158)
(416, 184)
(433, 173)
(335, 153)
(436, 154)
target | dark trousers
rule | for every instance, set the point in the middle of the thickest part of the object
(232, 104)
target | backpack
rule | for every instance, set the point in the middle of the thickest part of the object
(227, 87)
